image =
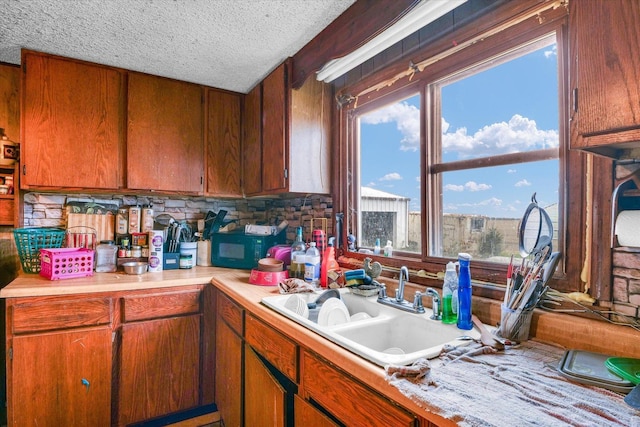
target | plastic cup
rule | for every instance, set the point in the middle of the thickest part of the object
(514, 324)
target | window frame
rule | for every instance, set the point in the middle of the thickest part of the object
(572, 182)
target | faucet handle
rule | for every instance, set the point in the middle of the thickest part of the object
(417, 302)
(382, 292)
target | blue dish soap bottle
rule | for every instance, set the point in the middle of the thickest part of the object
(464, 293)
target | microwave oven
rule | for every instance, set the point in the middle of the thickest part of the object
(236, 249)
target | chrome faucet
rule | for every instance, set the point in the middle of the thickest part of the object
(435, 304)
(399, 301)
(404, 275)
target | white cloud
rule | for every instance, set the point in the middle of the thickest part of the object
(394, 176)
(551, 52)
(493, 201)
(523, 183)
(474, 186)
(519, 134)
(511, 171)
(407, 119)
(453, 187)
(371, 184)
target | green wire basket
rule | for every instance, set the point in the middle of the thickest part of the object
(29, 241)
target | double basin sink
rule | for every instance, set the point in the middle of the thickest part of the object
(379, 333)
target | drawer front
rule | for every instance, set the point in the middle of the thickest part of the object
(275, 347)
(56, 313)
(231, 313)
(348, 400)
(159, 305)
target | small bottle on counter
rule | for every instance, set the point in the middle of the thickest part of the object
(186, 261)
(450, 295)
(312, 265)
(298, 255)
(464, 293)
(388, 249)
(376, 248)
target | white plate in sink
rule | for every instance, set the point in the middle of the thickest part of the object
(333, 312)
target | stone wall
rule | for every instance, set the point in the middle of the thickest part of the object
(49, 210)
(626, 281)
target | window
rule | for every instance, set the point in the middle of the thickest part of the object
(448, 159)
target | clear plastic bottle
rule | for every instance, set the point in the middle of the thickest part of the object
(450, 295)
(312, 265)
(388, 249)
(464, 293)
(376, 248)
(298, 256)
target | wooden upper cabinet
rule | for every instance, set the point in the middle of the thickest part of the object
(164, 135)
(605, 40)
(252, 142)
(275, 136)
(72, 129)
(222, 145)
(295, 136)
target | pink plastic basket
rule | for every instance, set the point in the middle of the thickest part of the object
(66, 263)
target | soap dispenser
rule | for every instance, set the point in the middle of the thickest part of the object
(464, 293)
(450, 295)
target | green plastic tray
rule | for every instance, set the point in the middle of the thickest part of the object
(627, 368)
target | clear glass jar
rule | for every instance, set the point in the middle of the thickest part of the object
(186, 261)
(136, 251)
(106, 253)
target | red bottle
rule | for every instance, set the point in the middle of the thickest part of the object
(328, 265)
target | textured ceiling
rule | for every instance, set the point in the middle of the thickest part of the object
(228, 44)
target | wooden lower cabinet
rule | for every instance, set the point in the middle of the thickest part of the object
(61, 379)
(229, 361)
(106, 359)
(346, 399)
(265, 399)
(308, 415)
(159, 368)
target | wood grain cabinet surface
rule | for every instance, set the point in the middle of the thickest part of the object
(165, 143)
(287, 143)
(72, 130)
(107, 358)
(10, 114)
(229, 360)
(222, 146)
(605, 40)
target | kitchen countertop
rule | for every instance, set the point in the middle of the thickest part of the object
(579, 332)
(28, 285)
(235, 285)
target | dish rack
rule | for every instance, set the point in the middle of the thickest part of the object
(66, 263)
(29, 241)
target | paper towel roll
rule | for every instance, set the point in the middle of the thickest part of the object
(627, 228)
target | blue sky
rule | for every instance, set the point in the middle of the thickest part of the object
(509, 108)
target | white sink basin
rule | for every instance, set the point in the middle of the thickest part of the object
(384, 335)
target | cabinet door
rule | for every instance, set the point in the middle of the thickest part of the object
(228, 374)
(252, 142)
(275, 133)
(307, 415)
(164, 135)
(68, 372)
(159, 368)
(606, 38)
(223, 144)
(264, 397)
(71, 133)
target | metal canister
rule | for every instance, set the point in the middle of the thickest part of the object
(134, 219)
(122, 221)
(147, 219)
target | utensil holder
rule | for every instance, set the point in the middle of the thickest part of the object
(514, 324)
